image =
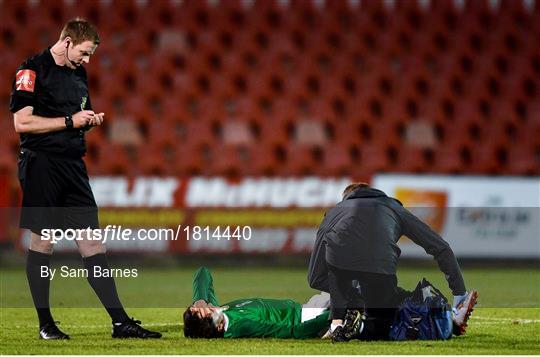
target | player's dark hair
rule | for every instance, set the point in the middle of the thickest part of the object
(353, 186)
(79, 30)
(196, 327)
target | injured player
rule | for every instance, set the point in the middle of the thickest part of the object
(252, 317)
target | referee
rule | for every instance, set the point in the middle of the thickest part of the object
(52, 112)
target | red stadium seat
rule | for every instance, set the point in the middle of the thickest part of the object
(191, 160)
(448, 160)
(337, 161)
(301, 161)
(386, 132)
(460, 132)
(8, 160)
(153, 161)
(352, 133)
(497, 132)
(263, 161)
(10, 138)
(374, 159)
(486, 159)
(523, 160)
(114, 160)
(411, 159)
(361, 70)
(199, 133)
(229, 161)
(162, 133)
(310, 132)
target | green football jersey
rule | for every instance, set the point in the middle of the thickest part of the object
(258, 317)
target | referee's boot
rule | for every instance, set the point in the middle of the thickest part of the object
(50, 331)
(132, 328)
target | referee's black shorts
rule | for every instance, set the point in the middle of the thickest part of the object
(56, 193)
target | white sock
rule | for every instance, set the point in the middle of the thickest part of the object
(333, 327)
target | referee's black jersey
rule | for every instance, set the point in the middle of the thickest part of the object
(53, 91)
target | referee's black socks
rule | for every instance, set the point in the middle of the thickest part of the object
(39, 284)
(105, 287)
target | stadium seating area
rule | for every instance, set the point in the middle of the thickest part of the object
(298, 87)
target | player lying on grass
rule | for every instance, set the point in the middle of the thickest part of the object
(252, 317)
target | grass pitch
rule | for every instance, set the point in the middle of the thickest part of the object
(506, 321)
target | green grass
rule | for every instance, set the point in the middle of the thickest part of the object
(506, 321)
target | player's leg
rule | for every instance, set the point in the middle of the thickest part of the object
(313, 327)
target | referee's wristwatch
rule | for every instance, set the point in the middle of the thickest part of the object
(69, 121)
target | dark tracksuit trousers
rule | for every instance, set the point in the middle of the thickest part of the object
(376, 294)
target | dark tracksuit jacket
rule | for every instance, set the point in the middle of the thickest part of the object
(361, 232)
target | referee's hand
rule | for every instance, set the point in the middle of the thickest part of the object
(82, 118)
(97, 119)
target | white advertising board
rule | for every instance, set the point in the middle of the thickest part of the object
(478, 216)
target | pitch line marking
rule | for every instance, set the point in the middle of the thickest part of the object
(506, 319)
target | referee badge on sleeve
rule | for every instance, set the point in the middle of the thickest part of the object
(25, 80)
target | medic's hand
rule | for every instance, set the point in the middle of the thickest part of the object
(82, 118)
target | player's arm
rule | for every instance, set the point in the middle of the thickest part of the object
(433, 244)
(26, 122)
(203, 287)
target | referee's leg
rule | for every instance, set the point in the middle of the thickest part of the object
(93, 253)
(42, 193)
(38, 259)
(81, 214)
(94, 258)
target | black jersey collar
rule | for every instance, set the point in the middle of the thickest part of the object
(48, 56)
